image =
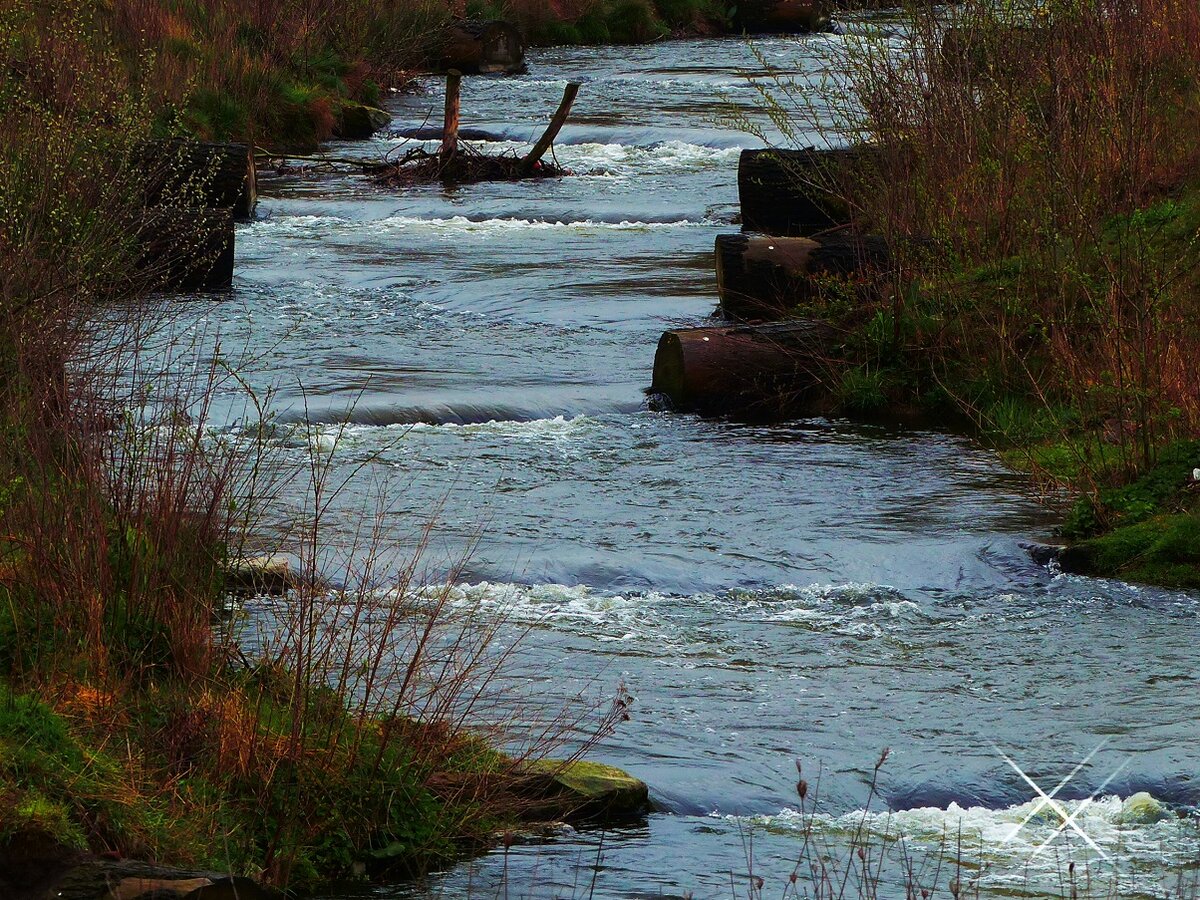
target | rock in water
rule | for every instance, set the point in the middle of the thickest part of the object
(270, 575)
(587, 791)
(1142, 808)
(357, 121)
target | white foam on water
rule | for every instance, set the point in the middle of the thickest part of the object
(461, 225)
(669, 157)
(661, 619)
(1136, 837)
(553, 429)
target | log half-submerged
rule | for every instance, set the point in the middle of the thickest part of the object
(763, 277)
(742, 368)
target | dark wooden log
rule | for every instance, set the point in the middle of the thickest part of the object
(192, 173)
(741, 368)
(762, 277)
(782, 16)
(556, 123)
(484, 48)
(187, 248)
(798, 192)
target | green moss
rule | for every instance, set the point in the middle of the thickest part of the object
(862, 391)
(1163, 550)
(52, 781)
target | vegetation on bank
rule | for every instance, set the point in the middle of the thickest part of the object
(142, 714)
(607, 21)
(1037, 175)
(283, 72)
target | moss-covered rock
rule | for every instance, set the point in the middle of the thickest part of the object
(357, 121)
(585, 791)
(1164, 550)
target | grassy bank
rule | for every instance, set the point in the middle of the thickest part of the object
(1038, 180)
(280, 72)
(607, 21)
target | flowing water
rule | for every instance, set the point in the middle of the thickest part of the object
(815, 590)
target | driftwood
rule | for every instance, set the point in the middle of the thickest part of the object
(458, 164)
(484, 48)
(193, 173)
(534, 157)
(760, 277)
(741, 368)
(798, 192)
(782, 16)
(186, 248)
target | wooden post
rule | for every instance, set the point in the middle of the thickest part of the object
(799, 192)
(186, 172)
(556, 124)
(450, 125)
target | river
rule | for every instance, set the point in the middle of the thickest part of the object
(815, 590)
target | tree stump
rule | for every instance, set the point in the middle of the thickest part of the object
(782, 16)
(484, 48)
(798, 192)
(761, 277)
(741, 368)
(186, 248)
(180, 172)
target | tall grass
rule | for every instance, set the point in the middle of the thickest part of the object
(1036, 173)
(141, 713)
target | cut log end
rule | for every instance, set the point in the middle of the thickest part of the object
(742, 368)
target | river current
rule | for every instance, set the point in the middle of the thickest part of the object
(815, 590)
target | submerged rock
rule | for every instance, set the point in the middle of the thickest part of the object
(584, 791)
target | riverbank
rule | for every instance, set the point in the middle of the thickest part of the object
(289, 76)
(816, 588)
(1038, 189)
(134, 722)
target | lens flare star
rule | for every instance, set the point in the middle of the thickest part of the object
(1067, 820)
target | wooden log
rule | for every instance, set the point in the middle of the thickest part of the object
(744, 368)
(797, 192)
(782, 16)
(181, 172)
(96, 879)
(484, 48)
(761, 277)
(556, 123)
(187, 248)
(452, 115)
